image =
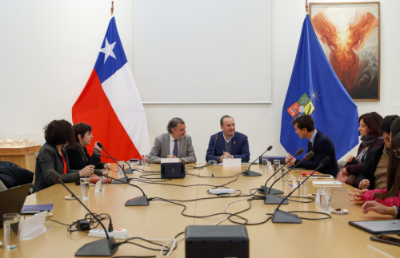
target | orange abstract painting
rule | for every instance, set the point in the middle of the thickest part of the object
(349, 35)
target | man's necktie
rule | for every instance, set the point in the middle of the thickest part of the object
(309, 146)
(175, 151)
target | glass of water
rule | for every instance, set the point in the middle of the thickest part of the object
(11, 234)
(85, 188)
(286, 175)
(265, 161)
(144, 160)
(277, 164)
(304, 187)
(325, 200)
(104, 179)
(120, 167)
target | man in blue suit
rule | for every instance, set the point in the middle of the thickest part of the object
(228, 143)
(318, 142)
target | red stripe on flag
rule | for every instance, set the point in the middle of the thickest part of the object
(93, 108)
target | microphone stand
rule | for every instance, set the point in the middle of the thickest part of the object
(264, 189)
(280, 216)
(137, 201)
(121, 181)
(127, 171)
(271, 198)
(250, 173)
(103, 247)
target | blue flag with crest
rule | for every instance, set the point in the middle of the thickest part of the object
(314, 89)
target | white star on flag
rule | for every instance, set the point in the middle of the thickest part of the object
(108, 50)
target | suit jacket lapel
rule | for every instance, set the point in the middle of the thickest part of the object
(166, 144)
(316, 140)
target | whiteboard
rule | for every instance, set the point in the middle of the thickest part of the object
(202, 51)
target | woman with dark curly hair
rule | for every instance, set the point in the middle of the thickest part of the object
(53, 156)
(370, 138)
(78, 154)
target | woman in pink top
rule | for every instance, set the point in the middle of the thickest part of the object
(390, 196)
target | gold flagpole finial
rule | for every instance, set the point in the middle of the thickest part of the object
(306, 6)
(112, 8)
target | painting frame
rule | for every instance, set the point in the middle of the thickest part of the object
(372, 92)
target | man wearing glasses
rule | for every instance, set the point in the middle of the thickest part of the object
(374, 172)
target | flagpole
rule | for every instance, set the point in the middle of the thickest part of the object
(112, 8)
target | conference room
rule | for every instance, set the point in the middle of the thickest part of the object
(237, 74)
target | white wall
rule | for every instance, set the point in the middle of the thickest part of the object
(48, 49)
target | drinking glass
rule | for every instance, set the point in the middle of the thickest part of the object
(277, 164)
(286, 176)
(325, 200)
(120, 167)
(304, 187)
(104, 178)
(265, 161)
(11, 234)
(85, 188)
(144, 160)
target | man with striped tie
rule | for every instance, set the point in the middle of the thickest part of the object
(174, 144)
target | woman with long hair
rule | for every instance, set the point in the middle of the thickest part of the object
(390, 196)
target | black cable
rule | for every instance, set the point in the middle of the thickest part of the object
(193, 216)
(58, 222)
(247, 223)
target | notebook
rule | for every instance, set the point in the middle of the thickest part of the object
(33, 209)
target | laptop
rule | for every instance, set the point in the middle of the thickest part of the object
(12, 200)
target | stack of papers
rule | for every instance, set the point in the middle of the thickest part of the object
(326, 183)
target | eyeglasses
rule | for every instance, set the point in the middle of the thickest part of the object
(388, 138)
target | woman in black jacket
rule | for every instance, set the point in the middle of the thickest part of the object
(78, 154)
(52, 156)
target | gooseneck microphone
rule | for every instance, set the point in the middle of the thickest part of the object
(264, 189)
(287, 217)
(126, 179)
(213, 161)
(137, 201)
(102, 247)
(129, 170)
(272, 199)
(248, 172)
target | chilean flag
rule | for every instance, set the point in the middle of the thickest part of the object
(111, 104)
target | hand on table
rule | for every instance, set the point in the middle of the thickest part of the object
(378, 208)
(357, 196)
(86, 171)
(107, 166)
(364, 184)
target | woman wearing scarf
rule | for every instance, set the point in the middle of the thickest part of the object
(78, 154)
(374, 172)
(370, 138)
(391, 195)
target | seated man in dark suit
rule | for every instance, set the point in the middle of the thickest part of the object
(174, 144)
(319, 143)
(228, 143)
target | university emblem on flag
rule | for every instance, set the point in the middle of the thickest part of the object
(302, 106)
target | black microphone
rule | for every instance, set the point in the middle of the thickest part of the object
(272, 199)
(127, 171)
(248, 172)
(287, 217)
(102, 247)
(264, 189)
(126, 179)
(137, 201)
(210, 162)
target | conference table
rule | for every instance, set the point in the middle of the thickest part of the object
(332, 237)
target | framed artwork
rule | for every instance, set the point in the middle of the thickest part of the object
(349, 34)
